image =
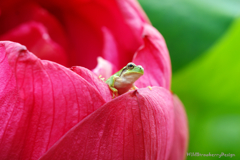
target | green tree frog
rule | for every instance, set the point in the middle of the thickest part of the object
(123, 80)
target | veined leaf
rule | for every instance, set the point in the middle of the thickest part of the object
(209, 88)
(190, 26)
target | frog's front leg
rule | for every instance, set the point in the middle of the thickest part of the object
(111, 85)
(115, 92)
(134, 87)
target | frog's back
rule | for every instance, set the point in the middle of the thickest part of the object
(116, 74)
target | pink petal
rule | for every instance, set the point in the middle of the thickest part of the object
(180, 141)
(134, 15)
(137, 125)
(39, 102)
(104, 68)
(7, 5)
(138, 9)
(95, 81)
(123, 21)
(36, 38)
(19, 13)
(154, 58)
(86, 35)
(110, 47)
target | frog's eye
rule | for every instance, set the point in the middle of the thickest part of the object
(130, 66)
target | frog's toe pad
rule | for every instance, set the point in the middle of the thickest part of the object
(150, 87)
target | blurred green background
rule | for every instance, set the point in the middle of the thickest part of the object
(203, 38)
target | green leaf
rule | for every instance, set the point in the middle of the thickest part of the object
(190, 26)
(210, 90)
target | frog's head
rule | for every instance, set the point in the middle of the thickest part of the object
(132, 72)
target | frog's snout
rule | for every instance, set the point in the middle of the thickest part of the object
(141, 68)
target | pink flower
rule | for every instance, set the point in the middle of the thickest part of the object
(51, 112)
(74, 32)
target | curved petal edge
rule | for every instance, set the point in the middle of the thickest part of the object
(135, 125)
